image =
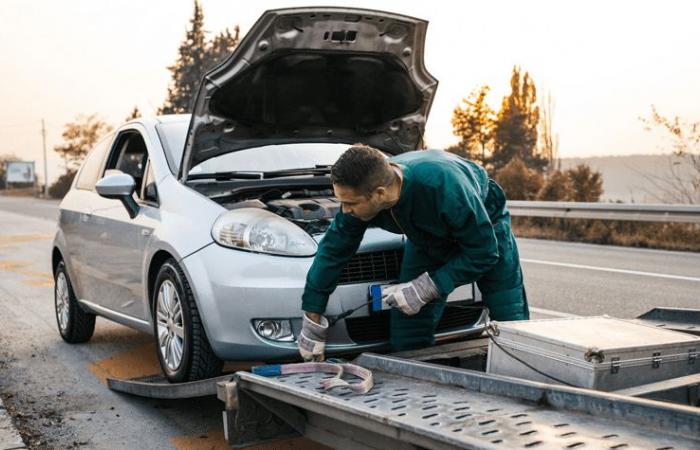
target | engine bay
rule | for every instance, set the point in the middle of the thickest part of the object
(311, 209)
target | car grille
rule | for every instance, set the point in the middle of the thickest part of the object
(372, 266)
(375, 328)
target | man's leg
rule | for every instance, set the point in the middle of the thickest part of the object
(417, 331)
(502, 287)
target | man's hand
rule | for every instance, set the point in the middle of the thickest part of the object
(312, 339)
(412, 296)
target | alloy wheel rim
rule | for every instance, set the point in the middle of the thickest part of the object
(169, 325)
(62, 301)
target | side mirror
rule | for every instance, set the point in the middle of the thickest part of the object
(119, 186)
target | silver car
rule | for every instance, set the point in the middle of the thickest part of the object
(200, 229)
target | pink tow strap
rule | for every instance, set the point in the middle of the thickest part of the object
(360, 387)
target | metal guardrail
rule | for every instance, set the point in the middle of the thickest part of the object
(607, 211)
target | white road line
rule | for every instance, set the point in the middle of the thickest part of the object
(551, 312)
(610, 269)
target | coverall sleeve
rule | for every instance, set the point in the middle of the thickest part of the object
(337, 247)
(465, 216)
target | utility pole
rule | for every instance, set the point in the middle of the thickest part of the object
(46, 173)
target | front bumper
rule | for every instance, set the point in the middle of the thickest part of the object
(233, 288)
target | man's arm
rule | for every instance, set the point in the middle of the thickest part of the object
(337, 247)
(465, 216)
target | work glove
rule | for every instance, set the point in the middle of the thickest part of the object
(412, 296)
(312, 339)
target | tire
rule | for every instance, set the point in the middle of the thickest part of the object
(74, 324)
(178, 329)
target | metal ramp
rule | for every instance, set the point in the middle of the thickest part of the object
(422, 405)
(686, 320)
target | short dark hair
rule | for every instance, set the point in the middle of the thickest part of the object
(362, 168)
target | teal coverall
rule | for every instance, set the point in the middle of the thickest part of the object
(458, 230)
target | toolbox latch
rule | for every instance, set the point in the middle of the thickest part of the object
(692, 356)
(615, 364)
(655, 360)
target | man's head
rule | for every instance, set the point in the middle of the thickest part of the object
(364, 182)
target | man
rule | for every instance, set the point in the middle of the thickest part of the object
(457, 228)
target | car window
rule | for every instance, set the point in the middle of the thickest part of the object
(149, 193)
(129, 155)
(273, 157)
(90, 170)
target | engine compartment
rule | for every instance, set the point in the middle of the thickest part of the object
(311, 209)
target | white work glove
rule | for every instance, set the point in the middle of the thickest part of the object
(412, 296)
(312, 339)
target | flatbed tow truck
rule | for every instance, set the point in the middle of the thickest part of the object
(441, 398)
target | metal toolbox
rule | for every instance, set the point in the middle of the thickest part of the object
(600, 353)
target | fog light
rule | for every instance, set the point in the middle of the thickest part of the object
(274, 330)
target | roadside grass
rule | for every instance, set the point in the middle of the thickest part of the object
(667, 236)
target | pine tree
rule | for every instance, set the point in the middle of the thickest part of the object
(515, 132)
(196, 56)
(221, 46)
(188, 68)
(473, 124)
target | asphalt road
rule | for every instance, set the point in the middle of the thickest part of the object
(57, 391)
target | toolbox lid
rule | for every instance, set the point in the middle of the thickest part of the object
(600, 332)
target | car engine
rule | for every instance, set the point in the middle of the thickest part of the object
(312, 210)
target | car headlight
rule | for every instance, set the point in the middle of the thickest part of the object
(259, 230)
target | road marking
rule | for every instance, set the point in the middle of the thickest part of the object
(610, 269)
(551, 312)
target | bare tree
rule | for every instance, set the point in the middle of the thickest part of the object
(548, 141)
(681, 182)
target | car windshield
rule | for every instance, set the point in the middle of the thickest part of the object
(256, 159)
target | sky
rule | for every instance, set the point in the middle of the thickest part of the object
(604, 63)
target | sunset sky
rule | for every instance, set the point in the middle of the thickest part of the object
(605, 63)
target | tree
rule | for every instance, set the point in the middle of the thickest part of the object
(515, 132)
(79, 137)
(221, 46)
(473, 123)
(518, 181)
(134, 114)
(196, 56)
(681, 182)
(557, 187)
(547, 140)
(586, 184)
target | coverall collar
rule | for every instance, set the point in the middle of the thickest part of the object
(405, 185)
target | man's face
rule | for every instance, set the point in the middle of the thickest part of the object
(364, 207)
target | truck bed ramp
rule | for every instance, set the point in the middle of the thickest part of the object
(422, 405)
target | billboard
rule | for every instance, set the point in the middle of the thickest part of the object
(19, 172)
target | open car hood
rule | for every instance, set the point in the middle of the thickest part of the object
(316, 74)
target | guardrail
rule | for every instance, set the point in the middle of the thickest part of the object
(607, 211)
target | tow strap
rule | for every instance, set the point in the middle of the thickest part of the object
(339, 369)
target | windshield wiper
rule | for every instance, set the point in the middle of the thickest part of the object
(248, 175)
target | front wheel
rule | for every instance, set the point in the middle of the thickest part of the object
(74, 324)
(182, 345)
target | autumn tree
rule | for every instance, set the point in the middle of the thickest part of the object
(547, 139)
(515, 131)
(196, 56)
(681, 181)
(134, 114)
(472, 122)
(79, 137)
(557, 187)
(518, 181)
(586, 184)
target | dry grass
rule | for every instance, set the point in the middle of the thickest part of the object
(668, 236)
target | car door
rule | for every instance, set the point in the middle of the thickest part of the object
(117, 254)
(75, 214)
